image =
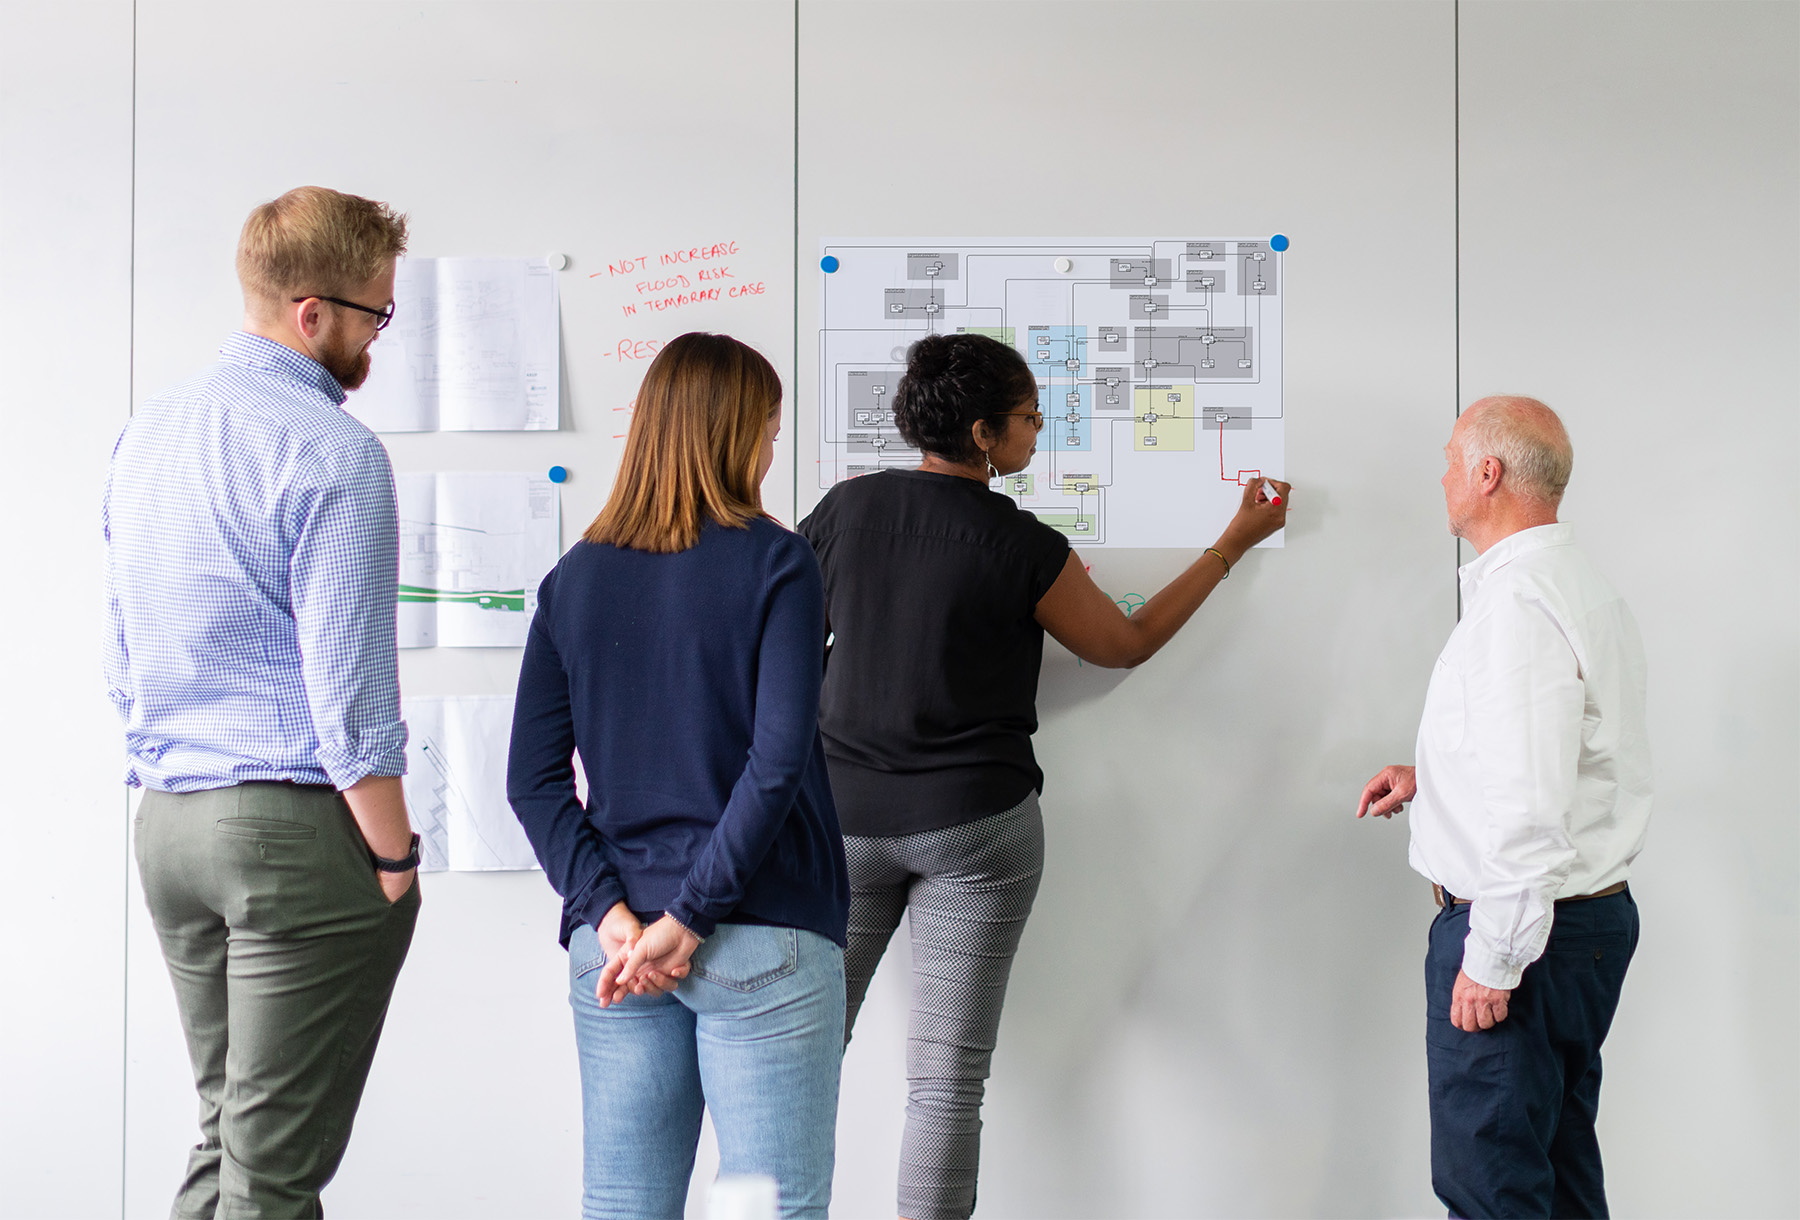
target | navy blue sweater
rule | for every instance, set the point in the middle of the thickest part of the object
(690, 685)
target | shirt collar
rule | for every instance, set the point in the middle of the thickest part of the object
(1474, 573)
(256, 352)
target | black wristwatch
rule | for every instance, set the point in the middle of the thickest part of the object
(404, 864)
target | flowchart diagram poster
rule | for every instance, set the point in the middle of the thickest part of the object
(1158, 366)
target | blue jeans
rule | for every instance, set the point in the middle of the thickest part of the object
(1512, 1107)
(756, 1032)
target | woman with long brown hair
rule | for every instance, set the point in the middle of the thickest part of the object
(677, 648)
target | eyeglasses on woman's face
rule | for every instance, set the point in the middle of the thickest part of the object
(1036, 417)
(382, 316)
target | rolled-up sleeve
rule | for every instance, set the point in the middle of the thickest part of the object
(115, 657)
(344, 581)
(1525, 701)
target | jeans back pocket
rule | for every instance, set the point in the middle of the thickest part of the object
(585, 954)
(744, 957)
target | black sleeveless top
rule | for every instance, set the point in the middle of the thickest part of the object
(930, 695)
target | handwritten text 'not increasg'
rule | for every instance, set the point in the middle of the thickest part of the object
(675, 279)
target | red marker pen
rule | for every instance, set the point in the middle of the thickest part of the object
(1274, 496)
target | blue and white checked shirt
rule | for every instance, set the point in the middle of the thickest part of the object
(252, 565)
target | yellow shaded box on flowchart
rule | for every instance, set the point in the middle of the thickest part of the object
(1162, 418)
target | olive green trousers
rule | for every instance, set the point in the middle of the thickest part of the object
(284, 951)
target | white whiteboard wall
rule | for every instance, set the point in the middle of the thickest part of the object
(1217, 1009)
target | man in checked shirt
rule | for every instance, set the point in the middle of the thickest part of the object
(251, 558)
(1531, 797)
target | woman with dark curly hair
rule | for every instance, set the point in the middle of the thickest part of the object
(938, 592)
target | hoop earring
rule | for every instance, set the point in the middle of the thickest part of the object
(992, 472)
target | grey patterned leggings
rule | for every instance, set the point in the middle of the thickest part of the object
(969, 888)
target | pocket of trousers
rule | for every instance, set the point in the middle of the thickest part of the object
(745, 957)
(265, 828)
(585, 953)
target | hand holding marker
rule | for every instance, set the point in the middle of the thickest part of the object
(1273, 492)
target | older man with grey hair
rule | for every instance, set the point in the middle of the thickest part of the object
(1531, 796)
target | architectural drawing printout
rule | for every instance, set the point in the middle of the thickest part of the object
(1157, 361)
(456, 784)
(473, 548)
(473, 347)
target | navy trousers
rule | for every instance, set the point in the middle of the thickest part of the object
(1513, 1107)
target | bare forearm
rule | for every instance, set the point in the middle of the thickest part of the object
(1157, 621)
(378, 803)
(1087, 621)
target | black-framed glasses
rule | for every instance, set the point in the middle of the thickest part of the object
(382, 316)
(1036, 417)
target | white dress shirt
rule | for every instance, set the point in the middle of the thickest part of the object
(1533, 760)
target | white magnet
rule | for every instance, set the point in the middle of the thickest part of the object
(557, 261)
(1064, 265)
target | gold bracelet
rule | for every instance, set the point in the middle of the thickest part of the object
(1213, 550)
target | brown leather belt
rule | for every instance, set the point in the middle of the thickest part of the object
(1446, 898)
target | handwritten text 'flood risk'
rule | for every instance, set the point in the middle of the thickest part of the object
(674, 279)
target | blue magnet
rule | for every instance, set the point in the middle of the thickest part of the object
(828, 264)
(559, 474)
(1278, 243)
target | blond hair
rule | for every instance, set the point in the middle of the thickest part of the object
(694, 445)
(1529, 440)
(314, 241)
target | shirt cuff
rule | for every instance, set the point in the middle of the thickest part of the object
(685, 913)
(607, 894)
(345, 769)
(1487, 967)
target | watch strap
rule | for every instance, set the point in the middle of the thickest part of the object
(404, 864)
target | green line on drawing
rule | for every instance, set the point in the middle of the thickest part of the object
(511, 600)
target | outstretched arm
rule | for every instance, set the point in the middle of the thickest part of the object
(1090, 624)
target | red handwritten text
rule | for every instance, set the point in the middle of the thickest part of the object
(639, 349)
